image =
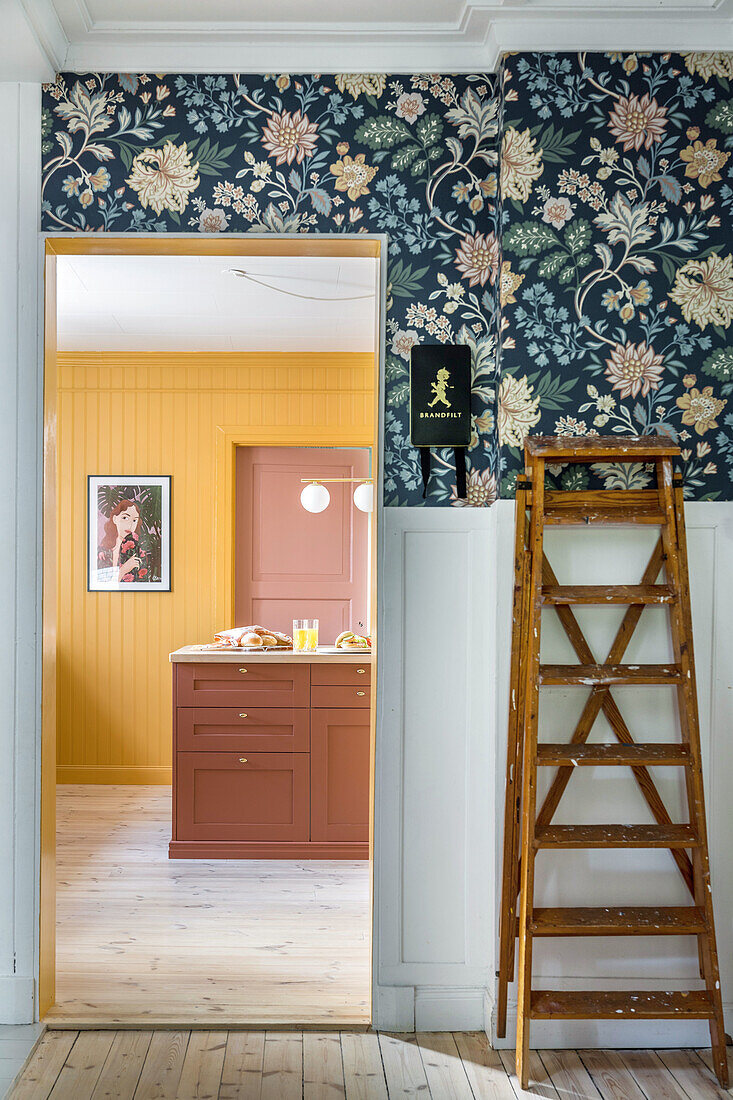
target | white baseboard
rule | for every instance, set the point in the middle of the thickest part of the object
(449, 1009)
(393, 1007)
(16, 999)
(431, 1008)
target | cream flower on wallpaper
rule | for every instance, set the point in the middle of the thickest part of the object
(357, 83)
(477, 258)
(704, 161)
(410, 105)
(634, 369)
(403, 341)
(699, 410)
(353, 175)
(164, 178)
(518, 410)
(290, 137)
(480, 491)
(704, 290)
(557, 211)
(521, 164)
(710, 63)
(637, 122)
(509, 282)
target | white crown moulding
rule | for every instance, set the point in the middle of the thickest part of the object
(68, 36)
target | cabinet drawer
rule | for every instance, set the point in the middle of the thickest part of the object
(242, 685)
(340, 696)
(341, 675)
(340, 775)
(227, 729)
(260, 796)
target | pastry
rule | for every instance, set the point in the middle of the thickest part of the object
(348, 640)
(251, 641)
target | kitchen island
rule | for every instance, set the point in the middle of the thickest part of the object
(271, 754)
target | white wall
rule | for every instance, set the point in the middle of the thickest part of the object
(436, 817)
(19, 545)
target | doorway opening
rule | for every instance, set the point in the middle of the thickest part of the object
(160, 363)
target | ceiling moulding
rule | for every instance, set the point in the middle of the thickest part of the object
(471, 42)
(33, 44)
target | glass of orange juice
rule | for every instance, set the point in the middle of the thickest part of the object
(311, 635)
(300, 635)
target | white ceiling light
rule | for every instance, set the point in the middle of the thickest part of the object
(315, 497)
(364, 496)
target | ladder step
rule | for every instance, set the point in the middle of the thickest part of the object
(603, 506)
(609, 448)
(624, 921)
(593, 675)
(616, 836)
(602, 594)
(592, 1004)
(561, 755)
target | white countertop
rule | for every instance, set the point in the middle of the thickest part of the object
(193, 653)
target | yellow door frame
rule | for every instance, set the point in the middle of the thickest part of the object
(228, 439)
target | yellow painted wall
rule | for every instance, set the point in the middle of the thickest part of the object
(158, 414)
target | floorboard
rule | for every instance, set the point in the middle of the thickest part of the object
(143, 940)
(296, 1065)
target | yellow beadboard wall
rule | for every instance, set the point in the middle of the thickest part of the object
(132, 413)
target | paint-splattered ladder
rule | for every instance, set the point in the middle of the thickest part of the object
(527, 831)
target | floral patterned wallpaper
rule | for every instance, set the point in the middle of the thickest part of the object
(410, 156)
(602, 269)
(617, 272)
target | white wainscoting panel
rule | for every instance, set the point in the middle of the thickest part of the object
(20, 486)
(610, 794)
(435, 754)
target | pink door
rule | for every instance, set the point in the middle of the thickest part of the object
(291, 564)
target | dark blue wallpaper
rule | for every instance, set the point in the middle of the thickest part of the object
(410, 156)
(616, 245)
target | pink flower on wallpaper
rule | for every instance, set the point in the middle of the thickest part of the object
(637, 122)
(478, 258)
(290, 137)
(634, 369)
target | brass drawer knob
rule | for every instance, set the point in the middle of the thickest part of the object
(361, 671)
(361, 693)
(243, 716)
(243, 670)
(243, 760)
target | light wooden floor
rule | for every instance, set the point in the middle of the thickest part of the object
(257, 1065)
(142, 939)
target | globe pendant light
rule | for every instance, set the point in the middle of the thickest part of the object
(315, 497)
(364, 497)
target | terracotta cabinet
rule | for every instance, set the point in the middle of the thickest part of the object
(270, 760)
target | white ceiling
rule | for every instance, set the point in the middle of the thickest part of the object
(188, 303)
(43, 36)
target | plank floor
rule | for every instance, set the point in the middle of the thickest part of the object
(310, 1065)
(145, 940)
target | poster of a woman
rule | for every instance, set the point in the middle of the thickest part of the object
(129, 534)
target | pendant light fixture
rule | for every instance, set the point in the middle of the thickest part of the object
(315, 497)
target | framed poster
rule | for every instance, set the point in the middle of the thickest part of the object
(129, 534)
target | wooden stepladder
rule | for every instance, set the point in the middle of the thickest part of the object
(527, 830)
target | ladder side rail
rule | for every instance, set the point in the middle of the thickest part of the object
(515, 739)
(529, 774)
(681, 626)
